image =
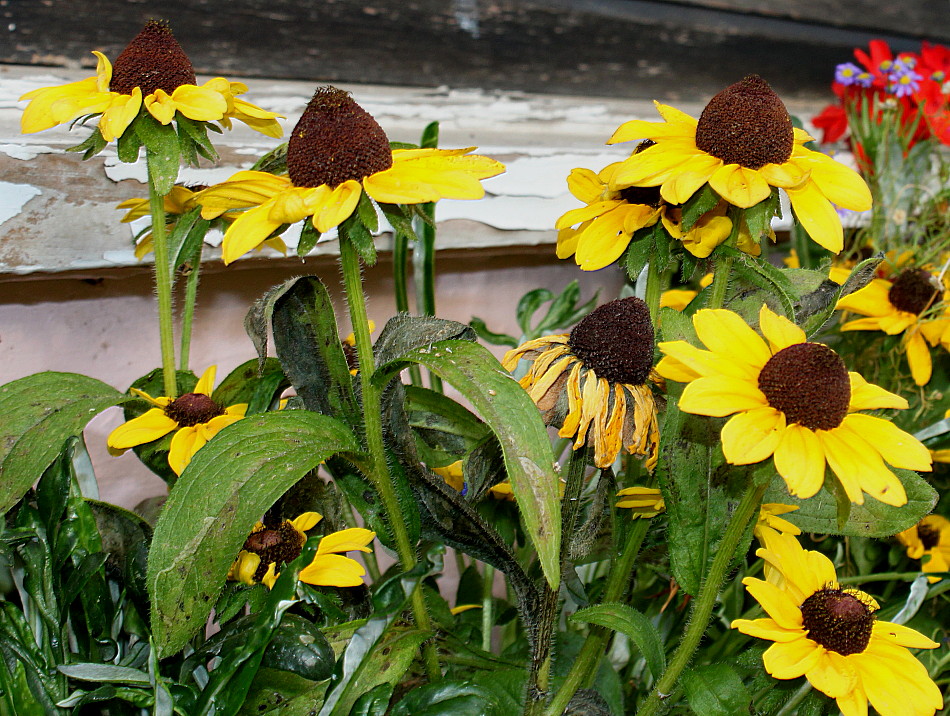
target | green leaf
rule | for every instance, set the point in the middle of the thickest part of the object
(443, 698)
(716, 690)
(366, 211)
(638, 253)
(633, 624)
(308, 345)
(223, 492)
(127, 146)
(430, 136)
(104, 673)
(125, 538)
(819, 513)
(527, 306)
(758, 218)
(399, 218)
(499, 339)
(309, 236)
(515, 420)
(374, 702)
(698, 204)
(260, 389)
(777, 290)
(93, 144)
(283, 693)
(353, 229)
(274, 162)
(38, 414)
(197, 132)
(443, 425)
(161, 150)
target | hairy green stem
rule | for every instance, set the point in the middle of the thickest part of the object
(188, 311)
(706, 600)
(584, 666)
(488, 606)
(379, 473)
(540, 667)
(724, 263)
(163, 284)
(790, 706)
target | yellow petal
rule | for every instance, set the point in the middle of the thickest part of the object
(602, 243)
(688, 177)
(161, 106)
(833, 674)
(867, 396)
(585, 185)
(778, 330)
(766, 629)
(817, 216)
(336, 206)
(900, 449)
(859, 467)
(354, 538)
(306, 521)
(871, 300)
(247, 232)
(752, 436)
(333, 570)
(740, 186)
(701, 363)
(800, 460)
(117, 118)
(918, 357)
(185, 443)
(202, 104)
(586, 213)
(776, 602)
(244, 567)
(147, 427)
(206, 382)
(902, 636)
(789, 660)
(725, 332)
(840, 184)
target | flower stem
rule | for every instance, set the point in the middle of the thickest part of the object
(401, 288)
(587, 659)
(379, 473)
(724, 263)
(548, 613)
(488, 604)
(188, 312)
(706, 600)
(163, 284)
(423, 257)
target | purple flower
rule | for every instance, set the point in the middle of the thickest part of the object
(902, 80)
(847, 73)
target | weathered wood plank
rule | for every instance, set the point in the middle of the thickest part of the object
(620, 48)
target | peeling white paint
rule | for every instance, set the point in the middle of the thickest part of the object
(26, 151)
(13, 197)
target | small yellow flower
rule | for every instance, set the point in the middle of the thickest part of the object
(268, 548)
(194, 416)
(829, 635)
(743, 145)
(929, 538)
(335, 153)
(641, 501)
(910, 305)
(593, 383)
(152, 72)
(794, 401)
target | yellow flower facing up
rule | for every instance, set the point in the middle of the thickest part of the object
(268, 548)
(180, 200)
(194, 417)
(929, 538)
(743, 145)
(641, 501)
(910, 305)
(794, 401)
(592, 383)
(598, 233)
(152, 72)
(337, 151)
(829, 635)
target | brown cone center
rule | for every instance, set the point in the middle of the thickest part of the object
(616, 341)
(335, 141)
(809, 383)
(746, 124)
(912, 291)
(153, 60)
(192, 409)
(929, 537)
(280, 545)
(838, 620)
(647, 195)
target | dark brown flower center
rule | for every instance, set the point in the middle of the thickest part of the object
(912, 291)
(746, 124)
(336, 140)
(192, 408)
(838, 620)
(809, 383)
(648, 195)
(153, 60)
(281, 545)
(616, 341)
(929, 537)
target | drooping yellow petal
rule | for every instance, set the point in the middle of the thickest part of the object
(333, 570)
(871, 300)
(800, 460)
(752, 436)
(244, 567)
(424, 175)
(817, 216)
(689, 177)
(202, 104)
(918, 357)
(147, 427)
(585, 185)
(185, 443)
(117, 118)
(336, 205)
(839, 184)
(247, 232)
(586, 213)
(602, 242)
(740, 186)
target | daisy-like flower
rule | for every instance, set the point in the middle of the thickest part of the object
(180, 200)
(152, 72)
(598, 233)
(641, 501)
(829, 635)
(194, 416)
(592, 383)
(794, 401)
(336, 151)
(931, 538)
(269, 547)
(743, 145)
(910, 304)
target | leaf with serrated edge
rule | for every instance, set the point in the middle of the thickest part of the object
(223, 492)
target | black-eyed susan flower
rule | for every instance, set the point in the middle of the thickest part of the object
(794, 401)
(829, 635)
(336, 151)
(268, 548)
(929, 538)
(743, 145)
(598, 233)
(151, 72)
(194, 417)
(593, 383)
(180, 200)
(911, 305)
(641, 501)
